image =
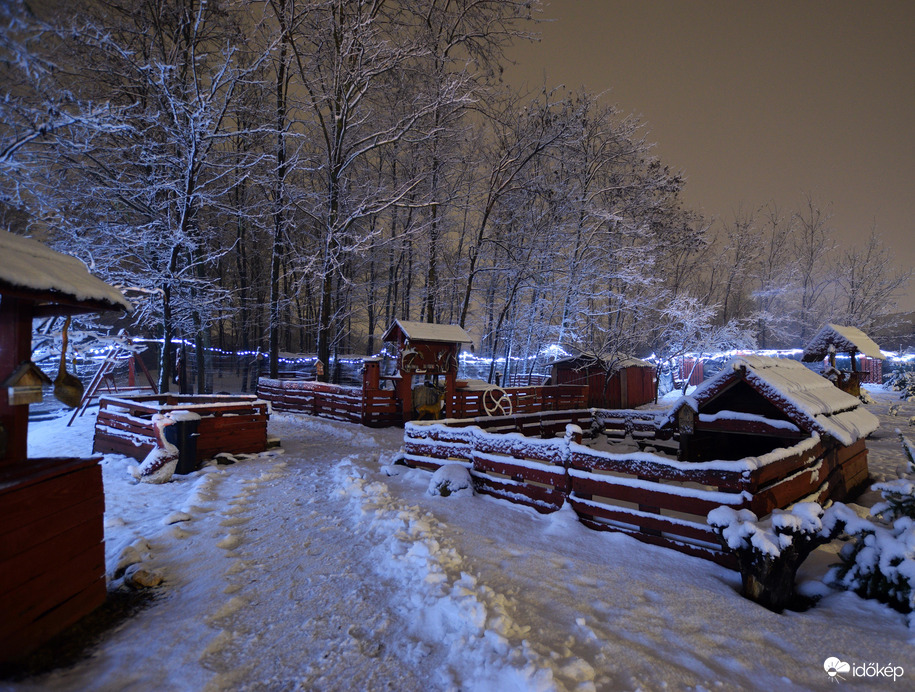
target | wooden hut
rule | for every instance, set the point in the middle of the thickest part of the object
(613, 381)
(425, 364)
(52, 554)
(757, 404)
(833, 339)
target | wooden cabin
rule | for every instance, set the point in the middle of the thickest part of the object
(833, 339)
(756, 405)
(52, 554)
(614, 382)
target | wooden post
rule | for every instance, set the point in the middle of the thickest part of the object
(451, 382)
(15, 348)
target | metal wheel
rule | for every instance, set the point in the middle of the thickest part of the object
(496, 402)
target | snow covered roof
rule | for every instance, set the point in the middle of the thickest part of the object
(30, 267)
(807, 399)
(843, 340)
(619, 360)
(423, 331)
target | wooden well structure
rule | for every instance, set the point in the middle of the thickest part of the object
(425, 365)
(52, 554)
(833, 339)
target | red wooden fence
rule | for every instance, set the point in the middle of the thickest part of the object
(380, 407)
(373, 407)
(649, 496)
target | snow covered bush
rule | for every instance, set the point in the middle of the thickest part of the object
(770, 551)
(879, 561)
(451, 479)
(903, 381)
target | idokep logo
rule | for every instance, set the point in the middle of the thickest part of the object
(838, 670)
(834, 667)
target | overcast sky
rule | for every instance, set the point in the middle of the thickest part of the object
(757, 101)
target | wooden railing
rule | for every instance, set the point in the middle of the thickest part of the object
(650, 496)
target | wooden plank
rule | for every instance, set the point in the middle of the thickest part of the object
(521, 449)
(438, 451)
(544, 500)
(655, 522)
(556, 479)
(15, 644)
(728, 480)
(32, 563)
(16, 478)
(17, 538)
(643, 496)
(784, 467)
(26, 603)
(19, 507)
(717, 556)
(106, 444)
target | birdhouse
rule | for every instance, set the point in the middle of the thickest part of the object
(24, 384)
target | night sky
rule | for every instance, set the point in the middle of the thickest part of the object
(757, 101)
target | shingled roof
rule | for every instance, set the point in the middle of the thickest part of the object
(807, 399)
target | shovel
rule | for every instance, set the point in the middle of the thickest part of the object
(67, 388)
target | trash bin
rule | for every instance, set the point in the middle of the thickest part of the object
(183, 434)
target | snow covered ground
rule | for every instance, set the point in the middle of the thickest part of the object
(322, 567)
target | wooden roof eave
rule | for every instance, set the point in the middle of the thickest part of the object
(52, 303)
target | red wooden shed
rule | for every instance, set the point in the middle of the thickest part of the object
(52, 554)
(613, 381)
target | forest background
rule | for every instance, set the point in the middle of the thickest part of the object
(292, 175)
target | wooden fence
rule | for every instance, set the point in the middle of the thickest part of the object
(380, 407)
(468, 403)
(654, 498)
(373, 407)
(235, 424)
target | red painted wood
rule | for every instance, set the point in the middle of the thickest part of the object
(23, 502)
(15, 644)
(15, 348)
(48, 555)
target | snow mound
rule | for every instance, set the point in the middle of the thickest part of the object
(451, 479)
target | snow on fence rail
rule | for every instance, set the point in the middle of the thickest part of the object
(654, 498)
(235, 424)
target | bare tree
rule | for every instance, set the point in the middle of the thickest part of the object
(868, 283)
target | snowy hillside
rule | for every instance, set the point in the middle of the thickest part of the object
(323, 567)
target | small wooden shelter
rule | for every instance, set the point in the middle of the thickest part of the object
(758, 404)
(52, 554)
(833, 339)
(423, 353)
(613, 381)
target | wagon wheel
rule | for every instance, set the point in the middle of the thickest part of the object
(496, 402)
